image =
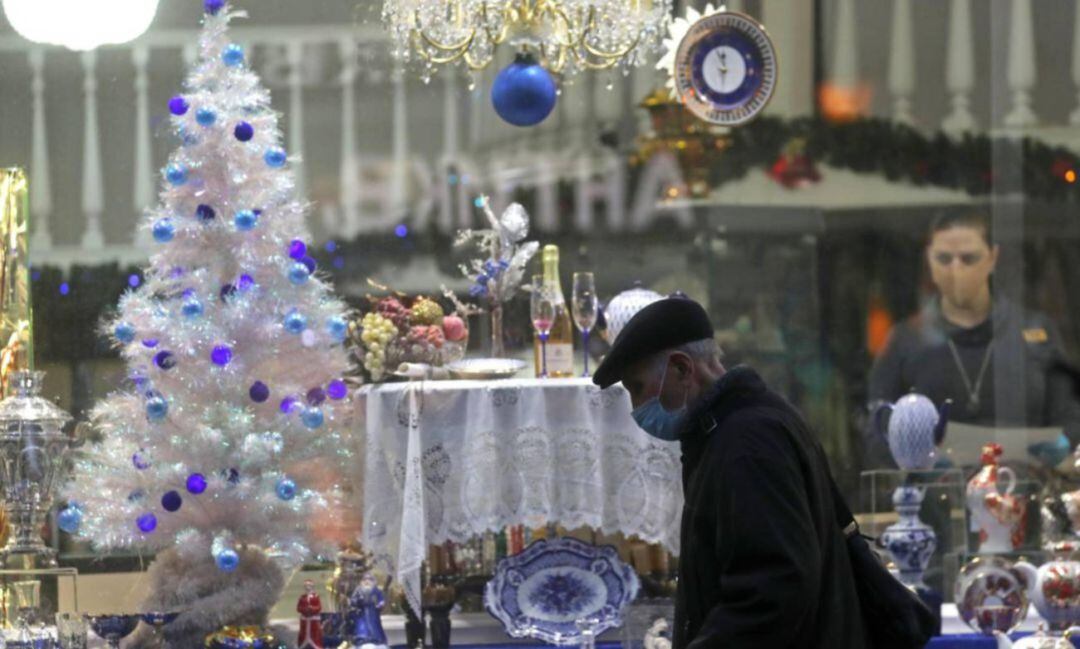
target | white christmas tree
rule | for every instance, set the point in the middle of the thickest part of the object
(227, 441)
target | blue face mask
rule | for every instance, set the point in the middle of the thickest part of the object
(657, 420)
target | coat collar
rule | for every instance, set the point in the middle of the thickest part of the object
(734, 389)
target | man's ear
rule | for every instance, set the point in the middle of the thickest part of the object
(683, 363)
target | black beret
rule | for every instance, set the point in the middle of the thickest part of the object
(661, 325)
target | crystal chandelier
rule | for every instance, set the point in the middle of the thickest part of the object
(565, 36)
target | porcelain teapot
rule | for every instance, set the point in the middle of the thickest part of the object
(624, 306)
(916, 427)
(998, 515)
(1039, 640)
(991, 595)
(1054, 587)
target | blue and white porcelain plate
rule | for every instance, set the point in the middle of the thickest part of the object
(556, 588)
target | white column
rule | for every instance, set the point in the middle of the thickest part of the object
(41, 206)
(1021, 73)
(1074, 118)
(400, 144)
(451, 122)
(143, 196)
(93, 187)
(845, 71)
(348, 183)
(788, 24)
(902, 61)
(735, 5)
(959, 68)
(294, 53)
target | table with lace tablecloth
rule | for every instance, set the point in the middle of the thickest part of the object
(451, 460)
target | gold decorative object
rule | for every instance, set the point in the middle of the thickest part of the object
(566, 35)
(235, 637)
(16, 339)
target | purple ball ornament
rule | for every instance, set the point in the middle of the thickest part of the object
(213, 6)
(244, 132)
(178, 105)
(316, 396)
(221, 355)
(147, 523)
(150, 343)
(196, 483)
(337, 389)
(289, 404)
(205, 213)
(172, 501)
(232, 476)
(227, 291)
(259, 392)
(297, 249)
(165, 360)
(136, 495)
(141, 459)
(309, 262)
(246, 282)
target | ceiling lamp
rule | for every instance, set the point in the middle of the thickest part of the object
(80, 24)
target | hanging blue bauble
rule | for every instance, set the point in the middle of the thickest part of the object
(227, 560)
(294, 322)
(69, 519)
(205, 213)
(192, 308)
(141, 459)
(124, 332)
(245, 220)
(233, 55)
(298, 273)
(147, 523)
(165, 360)
(286, 489)
(275, 157)
(297, 249)
(337, 389)
(213, 6)
(221, 355)
(259, 392)
(176, 174)
(178, 105)
(308, 261)
(524, 92)
(337, 328)
(196, 483)
(156, 408)
(244, 131)
(205, 116)
(315, 396)
(164, 230)
(172, 501)
(312, 417)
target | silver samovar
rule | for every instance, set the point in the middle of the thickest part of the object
(33, 450)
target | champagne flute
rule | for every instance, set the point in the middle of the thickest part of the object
(542, 308)
(585, 308)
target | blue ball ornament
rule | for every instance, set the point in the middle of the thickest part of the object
(164, 230)
(337, 328)
(176, 174)
(245, 220)
(192, 308)
(124, 332)
(196, 483)
(259, 392)
(524, 93)
(69, 519)
(233, 55)
(147, 523)
(294, 322)
(286, 489)
(205, 116)
(172, 501)
(141, 459)
(227, 560)
(244, 132)
(178, 105)
(221, 355)
(312, 417)
(165, 360)
(275, 157)
(156, 408)
(213, 6)
(299, 273)
(205, 213)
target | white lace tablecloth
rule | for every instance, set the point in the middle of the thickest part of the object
(450, 460)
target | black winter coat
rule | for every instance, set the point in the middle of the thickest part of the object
(763, 563)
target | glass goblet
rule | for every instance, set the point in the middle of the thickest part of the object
(113, 628)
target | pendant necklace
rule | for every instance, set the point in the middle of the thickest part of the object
(972, 390)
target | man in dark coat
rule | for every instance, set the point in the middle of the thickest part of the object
(763, 562)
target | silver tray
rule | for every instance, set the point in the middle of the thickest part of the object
(485, 368)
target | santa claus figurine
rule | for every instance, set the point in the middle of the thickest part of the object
(309, 608)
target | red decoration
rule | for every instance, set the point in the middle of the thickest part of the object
(309, 607)
(794, 168)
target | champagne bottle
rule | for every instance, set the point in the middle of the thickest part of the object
(560, 344)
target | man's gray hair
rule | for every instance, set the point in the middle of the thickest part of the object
(705, 349)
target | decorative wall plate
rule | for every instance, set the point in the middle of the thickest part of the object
(485, 368)
(557, 588)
